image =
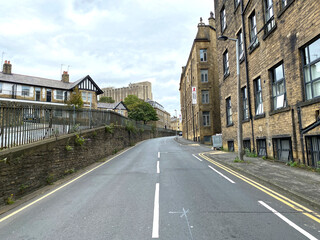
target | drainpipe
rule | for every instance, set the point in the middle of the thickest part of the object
(301, 134)
(247, 72)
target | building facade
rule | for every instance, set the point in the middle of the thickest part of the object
(142, 90)
(199, 87)
(163, 115)
(118, 107)
(279, 57)
(36, 90)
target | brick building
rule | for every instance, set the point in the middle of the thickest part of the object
(279, 51)
(163, 115)
(142, 90)
(199, 89)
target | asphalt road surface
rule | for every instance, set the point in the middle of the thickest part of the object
(158, 189)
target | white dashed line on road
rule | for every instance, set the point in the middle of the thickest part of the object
(197, 157)
(155, 226)
(221, 174)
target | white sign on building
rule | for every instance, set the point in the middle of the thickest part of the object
(194, 95)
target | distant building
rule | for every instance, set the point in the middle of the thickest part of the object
(175, 124)
(30, 89)
(118, 107)
(164, 116)
(199, 87)
(279, 52)
(142, 90)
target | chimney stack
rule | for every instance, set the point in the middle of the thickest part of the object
(7, 67)
(212, 20)
(65, 77)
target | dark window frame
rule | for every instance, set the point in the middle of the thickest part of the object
(253, 33)
(261, 147)
(230, 145)
(206, 118)
(204, 75)
(205, 98)
(246, 143)
(269, 20)
(203, 51)
(313, 155)
(223, 19)
(229, 111)
(226, 70)
(245, 103)
(240, 45)
(278, 148)
(276, 84)
(258, 96)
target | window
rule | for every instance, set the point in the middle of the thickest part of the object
(230, 146)
(258, 96)
(247, 145)
(207, 139)
(284, 3)
(58, 113)
(205, 96)
(245, 103)
(203, 55)
(206, 118)
(204, 75)
(236, 3)
(240, 44)
(84, 96)
(313, 150)
(223, 19)
(0, 87)
(269, 22)
(59, 95)
(262, 147)
(311, 69)
(89, 97)
(225, 63)
(282, 149)
(278, 87)
(66, 96)
(25, 91)
(38, 94)
(229, 111)
(48, 95)
(253, 31)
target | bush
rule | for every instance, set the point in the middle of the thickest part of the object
(250, 154)
(130, 127)
(109, 128)
(79, 140)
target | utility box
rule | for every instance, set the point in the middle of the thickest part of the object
(217, 141)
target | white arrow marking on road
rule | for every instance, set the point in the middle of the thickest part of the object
(292, 224)
(221, 174)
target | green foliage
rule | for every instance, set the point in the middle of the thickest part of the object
(10, 200)
(140, 110)
(69, 171)
(23, 187)
(109, 128)
(237, 160)
(106, 100)
(79, 140)
(75, 128)
(130, 127)
(153, 128)
(75, 99)
(292, 164)
(264, 157)
(250, 154)
(94, 134)
(69, 148)
(115, 151)
(50, 178)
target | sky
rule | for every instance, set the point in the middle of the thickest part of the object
(115, 42)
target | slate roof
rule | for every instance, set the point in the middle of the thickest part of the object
(119, 105)
(43, 82)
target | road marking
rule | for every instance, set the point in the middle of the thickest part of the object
(158, 154)
(184, 214)
(197, 157)
(296, 206)
(158, 167)
(221, 174)
(63, 186)
(155, 227)
(292, 224)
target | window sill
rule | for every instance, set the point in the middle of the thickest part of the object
(259, 116)
(281, 110)
(245, 120)
(285, 8)
(226, 75)
(230, 125)
(266, 35)
(253, 48)
(309, 102)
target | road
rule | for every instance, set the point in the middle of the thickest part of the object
(158, 189)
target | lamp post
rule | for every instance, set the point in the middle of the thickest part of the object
(239, 109)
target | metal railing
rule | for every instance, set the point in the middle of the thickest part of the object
(23, 124)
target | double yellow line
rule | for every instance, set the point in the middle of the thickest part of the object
(296, 206)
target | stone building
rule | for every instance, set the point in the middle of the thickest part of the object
(142, 90)
(279, 52)
(163, 115)
(36, 90)
(199, 89)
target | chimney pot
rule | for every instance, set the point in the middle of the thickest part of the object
(8, 62)
(5, 61)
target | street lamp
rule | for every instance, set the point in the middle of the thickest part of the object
(240, 151)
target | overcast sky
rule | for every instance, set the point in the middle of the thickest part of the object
(116, 42)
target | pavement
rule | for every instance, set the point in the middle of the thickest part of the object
(299, 183)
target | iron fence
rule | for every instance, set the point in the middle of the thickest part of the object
(22, 124)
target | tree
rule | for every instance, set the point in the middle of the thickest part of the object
(106, 100)
(75, 98)
(140, 110)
